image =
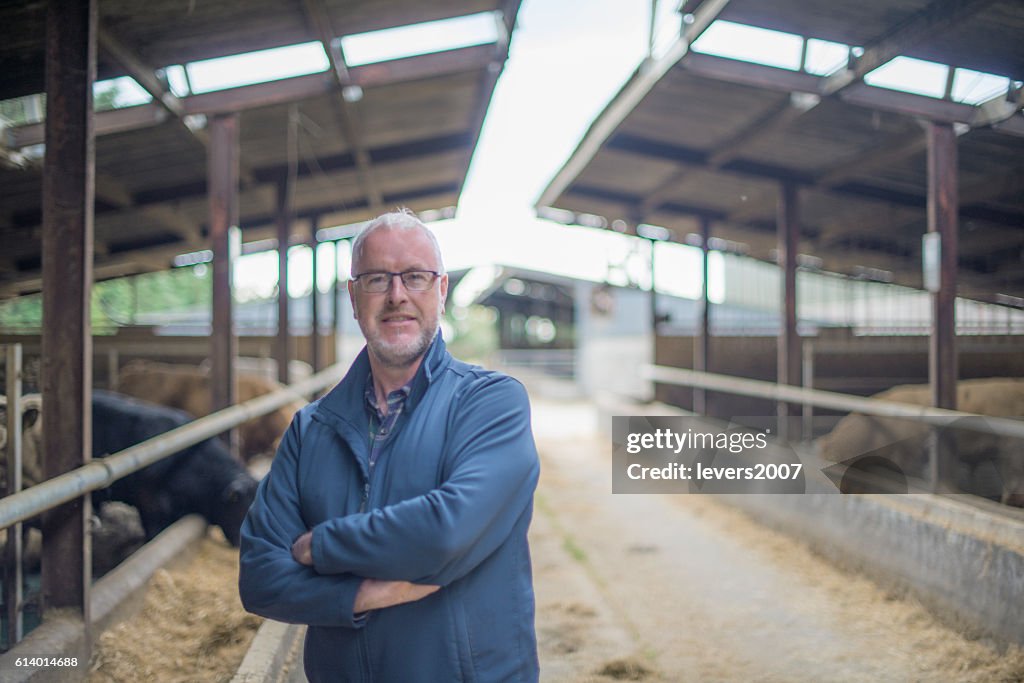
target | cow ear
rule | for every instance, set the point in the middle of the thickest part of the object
(233, 493)
(29, 417)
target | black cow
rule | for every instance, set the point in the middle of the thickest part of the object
(202, 479)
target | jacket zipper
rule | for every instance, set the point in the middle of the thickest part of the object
(369, 475)
(366, 494)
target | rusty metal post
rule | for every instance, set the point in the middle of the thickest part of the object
(943, 219)
(702, 344)
(807, 374)
(66, 383)
(13, 579)
(282, 349)
(223, 183)
(788, 345)
(314, 324)
(943, 209)
(336, 294)
(654, 318)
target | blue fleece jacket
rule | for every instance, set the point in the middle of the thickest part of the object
(448, 502)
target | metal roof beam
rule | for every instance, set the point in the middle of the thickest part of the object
(771, 78)
(1005, 184)
(767, 124)
(1012, 126)
(892, 150)
(999, 109)
(275, 92)
(933, 20)
(144, 74)
(1002, 185)
(122, 260)
(837, 183)
(636, 89)
(348, 120)
(113, 192)
(104, 123)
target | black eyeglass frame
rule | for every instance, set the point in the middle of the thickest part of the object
(391, 275)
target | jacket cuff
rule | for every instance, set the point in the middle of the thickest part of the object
(348, 603)
(319, 552)
(351, 588)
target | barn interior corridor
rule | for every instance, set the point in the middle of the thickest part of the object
(686, 588)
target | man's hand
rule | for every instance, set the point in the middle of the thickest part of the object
(302, 549)
(373, 593)
(377, 594)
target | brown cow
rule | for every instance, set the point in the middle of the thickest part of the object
(982, 460)
(187, 388)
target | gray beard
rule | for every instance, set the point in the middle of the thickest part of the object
(403, 356)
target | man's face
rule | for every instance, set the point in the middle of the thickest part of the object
(398, 324)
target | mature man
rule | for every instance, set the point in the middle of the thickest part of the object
(394, 519)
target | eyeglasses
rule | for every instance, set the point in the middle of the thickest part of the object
(378, 282)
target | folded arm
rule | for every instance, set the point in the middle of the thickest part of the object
(274, 585)
(440, 536)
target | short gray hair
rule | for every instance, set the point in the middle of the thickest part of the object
(400, 219)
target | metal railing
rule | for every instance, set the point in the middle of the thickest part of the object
(555, 362)
(830, 399)
(102, 472)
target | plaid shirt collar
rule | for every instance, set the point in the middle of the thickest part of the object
(395, 401)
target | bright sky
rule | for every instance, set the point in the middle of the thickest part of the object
(567, 60)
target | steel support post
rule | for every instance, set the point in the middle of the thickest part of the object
(223, 184)
(654, 316)
(66, 383)
(943, 209)
(702, 344)
(336, 294)
(788, 345)
(282, 349)
(314, 303)
(13, 579)
(807, 374)
(943, 219)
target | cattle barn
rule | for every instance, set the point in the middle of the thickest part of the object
(793, 170)
(818, 171)
(125, 190)
(812, 175)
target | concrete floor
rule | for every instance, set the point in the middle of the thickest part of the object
(686, 588)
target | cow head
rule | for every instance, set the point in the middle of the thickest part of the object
(233, 505)
(31, 435)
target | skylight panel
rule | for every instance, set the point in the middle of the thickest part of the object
(177, 79)
(22, 110)
(420, 39)
(257, 67)
(667, 25)
(116, 93)
(825, 57)
(751, 44)
(911, 75)
(975, 87)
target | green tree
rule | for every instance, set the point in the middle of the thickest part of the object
(117, 302)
